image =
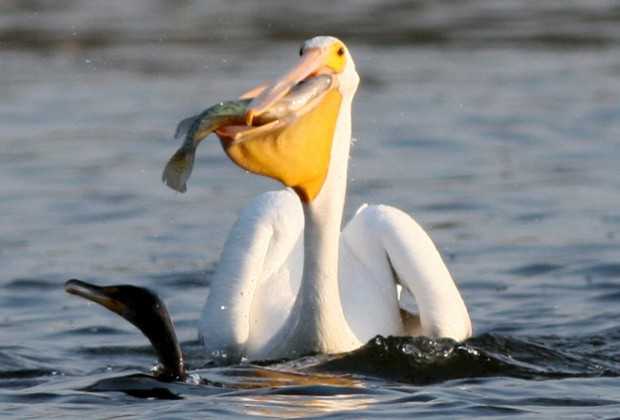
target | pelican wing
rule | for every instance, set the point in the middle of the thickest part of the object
(383, 248)
(257, 278)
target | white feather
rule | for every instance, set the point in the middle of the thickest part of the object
(290, 283)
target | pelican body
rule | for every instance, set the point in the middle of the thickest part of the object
(289, 281)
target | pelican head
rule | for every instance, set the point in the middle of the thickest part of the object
(296, 150)
(320, 55)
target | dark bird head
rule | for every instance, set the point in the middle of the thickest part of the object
(144, 309)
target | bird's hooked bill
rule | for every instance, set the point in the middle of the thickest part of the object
(95, 294)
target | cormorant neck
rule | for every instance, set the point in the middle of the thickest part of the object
(162, 336)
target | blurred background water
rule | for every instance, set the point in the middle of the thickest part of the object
(494, 123)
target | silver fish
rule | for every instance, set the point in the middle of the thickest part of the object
(196, 128)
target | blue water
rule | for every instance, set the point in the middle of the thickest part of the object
(495, 124)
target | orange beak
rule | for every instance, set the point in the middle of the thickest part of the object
(312, 63)
(289, 129)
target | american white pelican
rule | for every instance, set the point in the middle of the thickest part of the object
(289, 282)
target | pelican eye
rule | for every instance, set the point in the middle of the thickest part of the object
(340, 51)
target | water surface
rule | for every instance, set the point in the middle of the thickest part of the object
(495, 124)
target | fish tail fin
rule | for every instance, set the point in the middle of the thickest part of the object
(178, 169)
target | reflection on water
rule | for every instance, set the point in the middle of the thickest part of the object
(292, 406)
(494, 123)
